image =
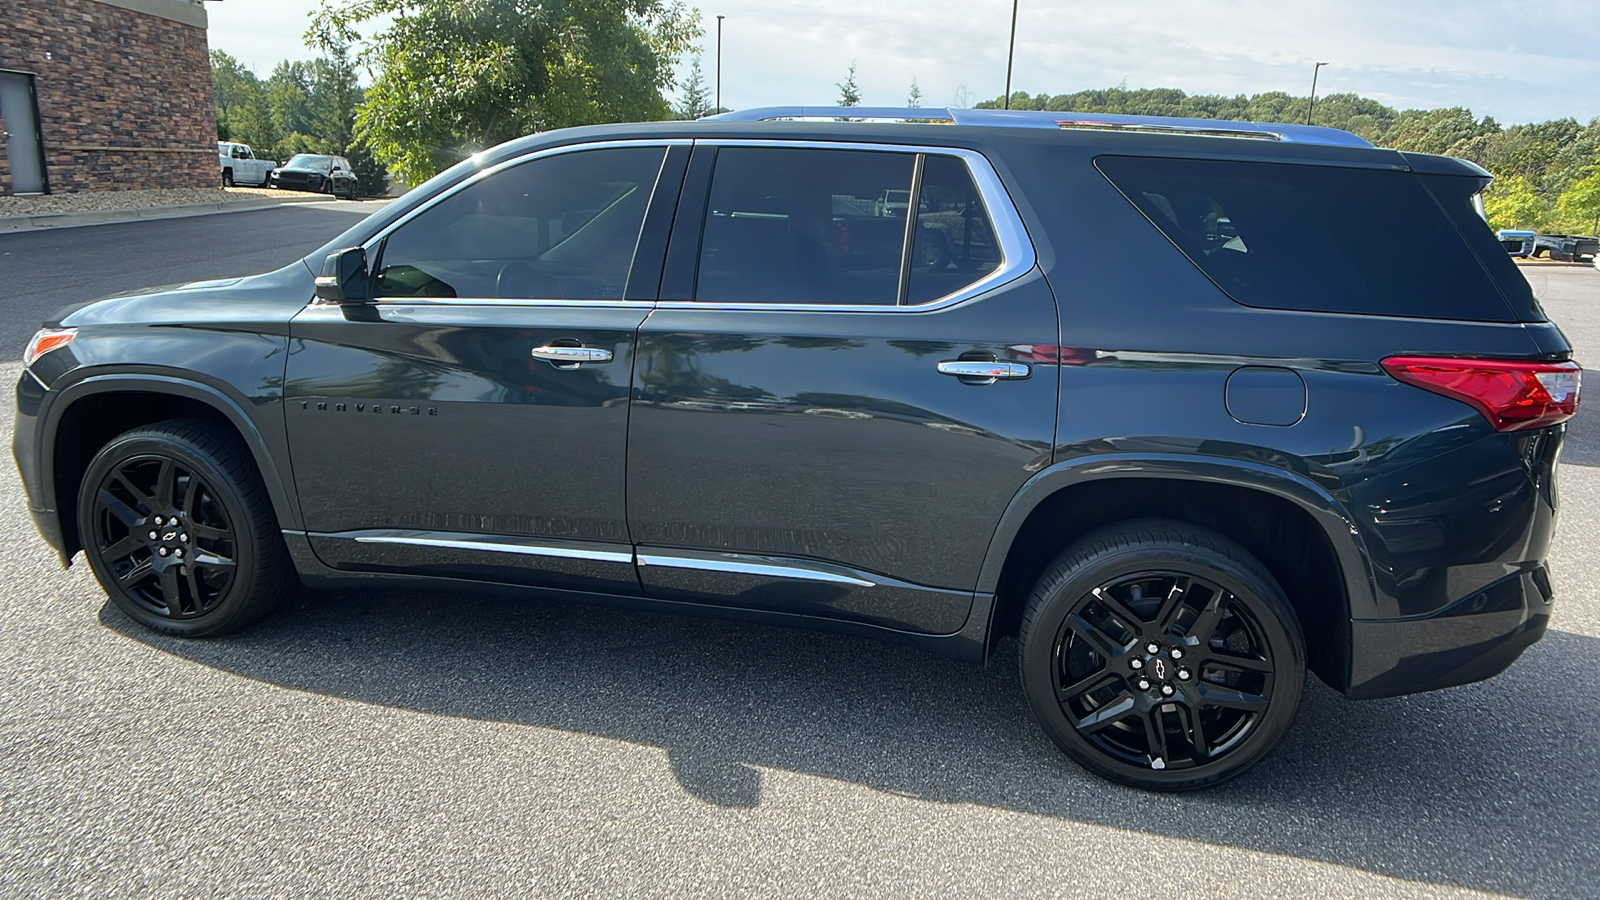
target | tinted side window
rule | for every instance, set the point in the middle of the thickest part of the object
(560, 227)
(955, 243)
(1317, 238)
(1455, 194)
(805, 226)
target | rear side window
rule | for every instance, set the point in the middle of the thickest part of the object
(835, 227)
(1315, 238)
(1455, 194)
(805, 226)
(955, 244)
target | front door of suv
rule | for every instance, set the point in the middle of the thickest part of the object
(803, 436)
(471, 421)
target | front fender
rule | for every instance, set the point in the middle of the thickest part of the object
(260, 441)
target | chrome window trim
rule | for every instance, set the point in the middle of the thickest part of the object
(741, 567)
(1017, 256)
(485, 543)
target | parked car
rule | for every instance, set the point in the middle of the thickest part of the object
(1566, 247)
(1517, 243)
(1160, 412)
(318, 173)
(240, 165)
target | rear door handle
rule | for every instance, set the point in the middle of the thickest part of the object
(571, 357)
(978, 371)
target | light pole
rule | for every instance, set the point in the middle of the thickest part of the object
(1313, 104)
(719, 64)
(1011, 51)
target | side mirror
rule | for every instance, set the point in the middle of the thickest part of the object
(344, 277)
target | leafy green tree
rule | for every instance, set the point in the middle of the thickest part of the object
(457, 76)
(849, 93)
(371, 179)
(914, 96)
(334, 99)
(1511, 202)
(696, 99)
(1578, 207)
(236, 91)
(289, 96)
(296, 142)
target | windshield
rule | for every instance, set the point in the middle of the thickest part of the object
(308, 161)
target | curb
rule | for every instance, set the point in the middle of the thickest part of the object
(43, 221)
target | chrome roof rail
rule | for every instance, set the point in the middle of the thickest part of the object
(1215, 128)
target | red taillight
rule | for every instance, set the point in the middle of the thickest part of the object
(1512, 395)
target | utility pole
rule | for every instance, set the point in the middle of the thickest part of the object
(1011, 52)
(1313, 104)
(719, 64)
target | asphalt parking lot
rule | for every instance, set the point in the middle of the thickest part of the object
(391, 744)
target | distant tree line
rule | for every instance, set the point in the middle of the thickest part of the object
(303, 107)
(1547, 174)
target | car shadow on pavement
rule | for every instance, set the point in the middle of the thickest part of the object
(1449, 787)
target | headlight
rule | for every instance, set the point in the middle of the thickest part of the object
(46, 339)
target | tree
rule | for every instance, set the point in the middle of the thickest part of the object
(914, 97)
(371, 179)
(234, 89)
(1511, 202)
(457, 77)
(849, 94)
(696, 100)
(289, 96)
(1578, 207)
(334, 99)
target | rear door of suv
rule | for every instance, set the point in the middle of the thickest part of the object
(836, 397)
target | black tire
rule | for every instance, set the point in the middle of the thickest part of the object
(217, 561)
(227, 178)
(1217, 693)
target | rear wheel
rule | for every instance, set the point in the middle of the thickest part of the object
(1161, 655)
(179, 531)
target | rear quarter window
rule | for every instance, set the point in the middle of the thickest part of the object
(1314, 238)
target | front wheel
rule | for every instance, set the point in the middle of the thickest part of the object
(1161, 655)
(178, 529)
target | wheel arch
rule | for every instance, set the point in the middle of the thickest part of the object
(1296, 528)
(91, 411)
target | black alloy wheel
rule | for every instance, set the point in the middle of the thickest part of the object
(1162, 655)
(177, 528)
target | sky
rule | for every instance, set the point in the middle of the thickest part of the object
(1518, 62)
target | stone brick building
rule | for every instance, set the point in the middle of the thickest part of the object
(119, 92)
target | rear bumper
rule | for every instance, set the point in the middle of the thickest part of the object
(1473, 639)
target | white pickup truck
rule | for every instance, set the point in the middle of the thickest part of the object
(240, 166)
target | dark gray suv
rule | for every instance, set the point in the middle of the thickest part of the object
(1137, 391)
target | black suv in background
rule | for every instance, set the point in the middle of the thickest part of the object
(317, 173)
(1138, 391)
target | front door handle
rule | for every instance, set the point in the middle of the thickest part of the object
(980, 371)
(571, 357)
